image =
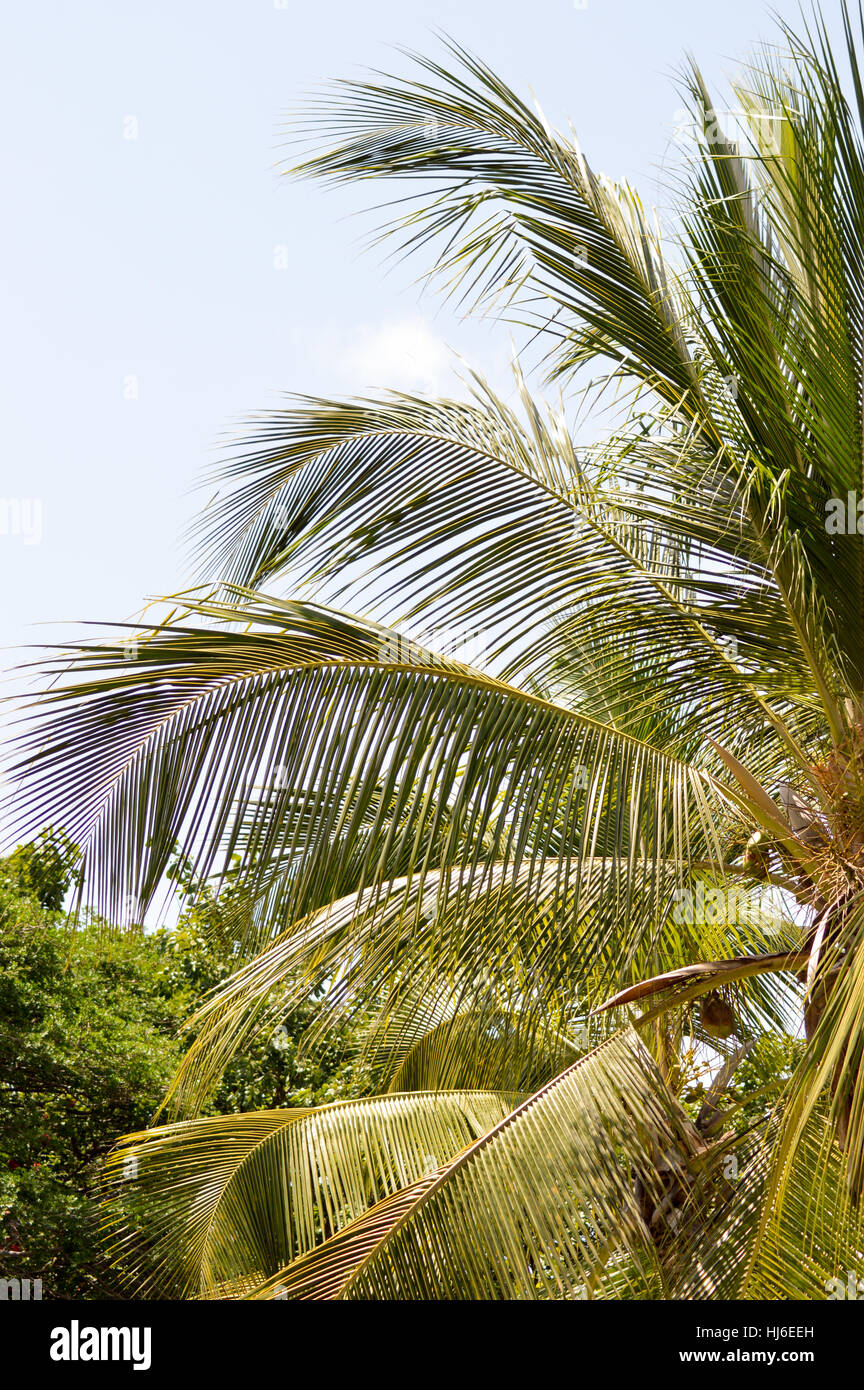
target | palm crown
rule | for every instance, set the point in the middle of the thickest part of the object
(502, 859)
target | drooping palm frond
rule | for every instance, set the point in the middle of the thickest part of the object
(519, 211)
(675, 691)
(541, 944)
(542, 1206)
(404, 488)
(765, 1243)
(315, 697)
(464, 769)
(191, 1208)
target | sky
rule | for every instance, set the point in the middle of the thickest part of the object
(163, 279)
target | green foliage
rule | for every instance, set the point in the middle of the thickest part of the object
(87, 1044)
(748, 1102)
(675, 666)
(45, 869)
(273, 1070)
(91, 1025)
(762, 1074)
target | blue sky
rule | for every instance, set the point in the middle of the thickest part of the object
(162, 280)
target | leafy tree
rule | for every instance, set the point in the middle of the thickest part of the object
(45, 869)
(274, 1069)
(87, 1045)
(91, 1024)
(651, 798)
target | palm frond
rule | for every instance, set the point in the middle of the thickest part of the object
(540, 1207)
(190, 1209)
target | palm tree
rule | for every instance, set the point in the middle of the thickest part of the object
(626, 847)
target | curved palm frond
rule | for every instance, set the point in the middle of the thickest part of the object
(189, 1210)
(540, 945)
(675, 688)
(519, 210)
(315, 698)
(403, 487)
(542, 1206)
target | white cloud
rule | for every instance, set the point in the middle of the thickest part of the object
(402, 356)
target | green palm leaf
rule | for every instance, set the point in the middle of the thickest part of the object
(537, 1208)
(479, 857)
(192, 1209)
